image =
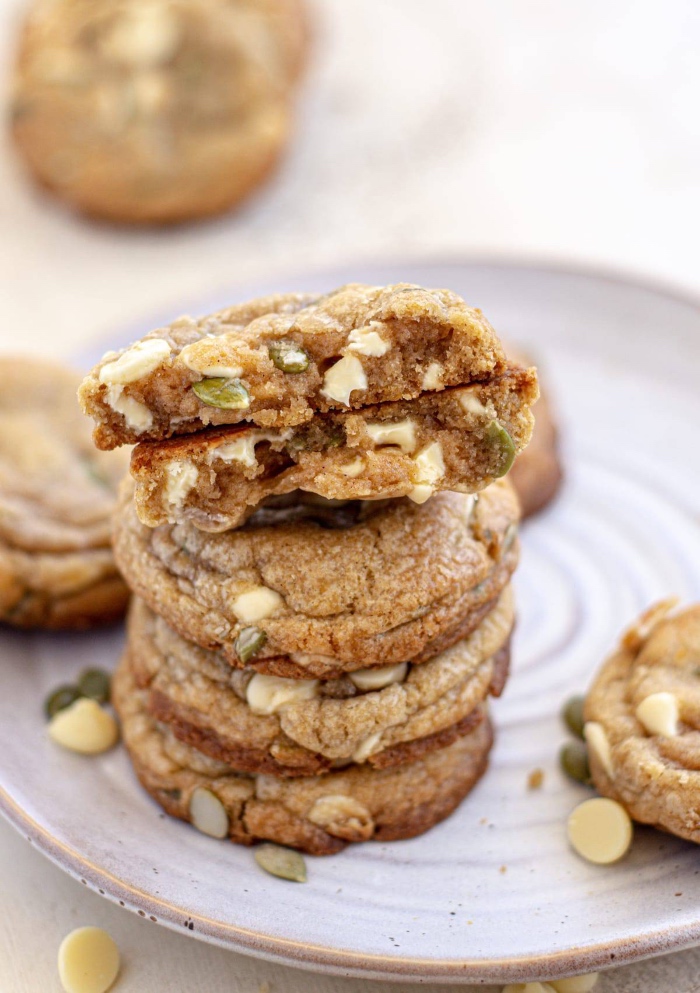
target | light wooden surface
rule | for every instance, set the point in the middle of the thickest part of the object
(428, 128)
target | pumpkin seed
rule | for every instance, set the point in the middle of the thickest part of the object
(288, 356)
(498, 437)
(281, 862)
(228, 394)
(249, 642)
(572, 715)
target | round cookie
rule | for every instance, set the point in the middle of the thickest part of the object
(257, 723)
(155, 111)
(318, 814)
(537, 473)
(643, 721)
(296, 598)
(57, 494)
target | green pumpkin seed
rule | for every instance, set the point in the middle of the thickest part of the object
(61, 698)
(249, 642)
(288, 356)
(281, 862)
(573, 758)
(511, 533)
(572, 715)
(95, 683)
(229, 394)
(498, 437)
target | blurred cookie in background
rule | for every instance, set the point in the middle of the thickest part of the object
(57, 494)
(537, 473)
(156, 111)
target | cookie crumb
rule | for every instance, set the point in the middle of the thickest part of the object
(503, 870)
(535, 779)
(264, 987)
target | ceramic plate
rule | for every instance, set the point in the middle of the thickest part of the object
(494, 893)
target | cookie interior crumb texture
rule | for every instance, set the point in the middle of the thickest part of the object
(225, 368)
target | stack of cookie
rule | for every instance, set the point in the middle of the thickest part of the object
(321, 544)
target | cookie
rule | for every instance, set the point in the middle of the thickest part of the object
(643, 721)
(298, 598)
(317, 814)
(277, 361)
(257, 723)
(460, 439)
(156, 111)
(537, 473)
(57, 495)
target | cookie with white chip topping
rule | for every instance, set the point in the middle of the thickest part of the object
(156, 111)
(310, 597)
(459, 439)
(385, 716)
(317, 814)
(278, 361)
(57, 495)
(643, 721)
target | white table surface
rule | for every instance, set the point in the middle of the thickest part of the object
(428, 128)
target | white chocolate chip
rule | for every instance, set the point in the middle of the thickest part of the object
(208, 813)
(198, 358)
(597, 741)
(600, 830)
(470, 402)
(181, 478)
(576, 984)
(242, 449)
(88, 961)
(343, 378)
(368, 341)
(147, 35)
(137, 415)
(352, 469)
(136, 362)
(421, 493)
(658, 713)
(432, 378)
(377, 679)
(256, 604)
(366, 747)
(401, 433)
(528, 988)
(430, 467)
(84, 727)
(272, 694)
(342, 816)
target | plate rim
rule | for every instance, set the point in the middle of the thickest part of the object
(343, 961)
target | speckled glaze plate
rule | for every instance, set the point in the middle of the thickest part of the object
(493, 894)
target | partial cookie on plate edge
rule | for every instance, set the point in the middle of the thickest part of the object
(57, 493)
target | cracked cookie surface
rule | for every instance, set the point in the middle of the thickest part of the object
(643, 721)
(460, 439)
(56, 498)
(317, 814)
(384, 717)
(154, 111)
(297, 597)
(277, 361)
